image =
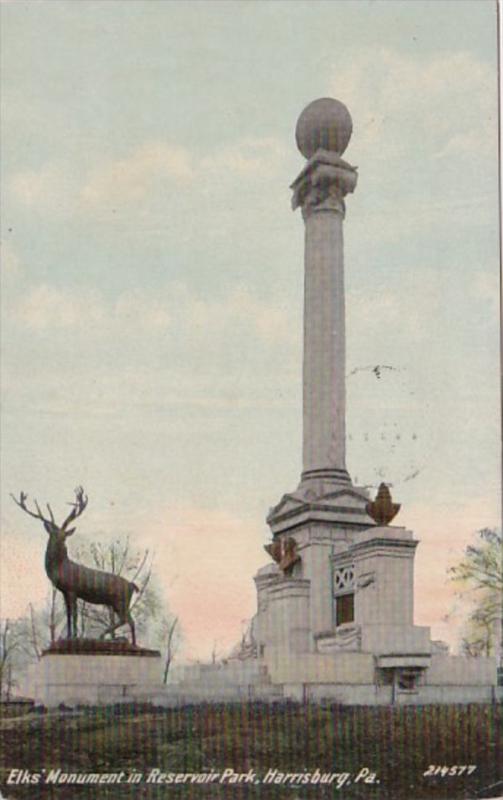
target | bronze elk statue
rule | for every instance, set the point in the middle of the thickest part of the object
(76, 581)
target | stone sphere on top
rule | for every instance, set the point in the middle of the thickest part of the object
(324, 123)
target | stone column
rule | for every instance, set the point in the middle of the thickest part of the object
(323, 132)
(289, 616)
(265, 579)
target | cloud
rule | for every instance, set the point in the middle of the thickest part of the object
(249, 157)
(30, 186)
(173, 306)
(50, 189)
(402, 100)
(239, 309)
(46, 307)
(156, 172)
(145, 355)
(422, 138)
(412, 303)
(381, 313)
(138, 307)
(130, 179)
(11, 263)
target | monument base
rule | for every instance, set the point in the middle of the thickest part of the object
(346, 678)
(97, 672)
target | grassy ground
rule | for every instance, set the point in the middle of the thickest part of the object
(397, 744)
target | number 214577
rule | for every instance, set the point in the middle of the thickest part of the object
(444, 772)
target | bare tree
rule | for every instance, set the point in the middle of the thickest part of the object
(153, 620)
(11, 637)
(42, 625)
(54, 617)
(118, 557)
(247, 646)
(34, 635)
(216, 654)
(169, 641)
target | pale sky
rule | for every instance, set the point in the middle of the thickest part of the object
(153, 277)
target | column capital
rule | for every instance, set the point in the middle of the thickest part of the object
(323, 183)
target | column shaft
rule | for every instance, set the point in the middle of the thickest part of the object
(324, 392)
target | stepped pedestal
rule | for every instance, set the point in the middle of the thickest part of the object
(95, 672)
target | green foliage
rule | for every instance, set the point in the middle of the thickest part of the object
(479, 576)
(480, 626)
(481, 567)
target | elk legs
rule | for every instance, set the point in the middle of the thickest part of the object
(71, 614)
(124, 617)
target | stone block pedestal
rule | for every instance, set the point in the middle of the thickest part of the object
(89, 672)
(289, 615)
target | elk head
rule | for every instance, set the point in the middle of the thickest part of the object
(57, 533)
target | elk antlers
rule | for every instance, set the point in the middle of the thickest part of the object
(79, 505)
(22, 504)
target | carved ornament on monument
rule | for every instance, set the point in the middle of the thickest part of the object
(344, 579)
(284, 553)
(346, 637)
(365, 579)
(323, 184)
(382, 509)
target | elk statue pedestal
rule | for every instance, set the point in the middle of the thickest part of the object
(97, 672)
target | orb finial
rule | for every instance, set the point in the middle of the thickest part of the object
(325, 123)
